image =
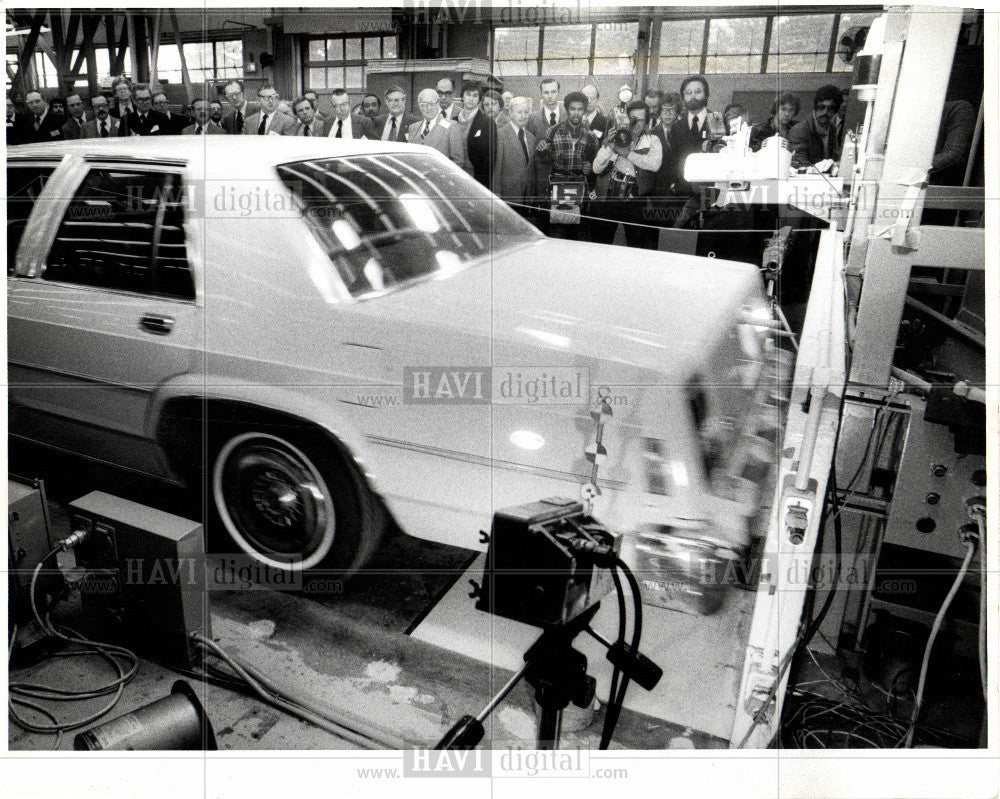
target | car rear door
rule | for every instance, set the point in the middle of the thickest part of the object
(103, 308)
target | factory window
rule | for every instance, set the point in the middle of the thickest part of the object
(339, 61)
(681, 43)
(48, 75)
(800, 43)
(735, 45)
(614, 48)
(124, 231)
(566, 49)
(515, 51)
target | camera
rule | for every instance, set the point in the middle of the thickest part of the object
(622, 136)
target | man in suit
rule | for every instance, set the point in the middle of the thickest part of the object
(550, 113)
(215, 111)
(143, 121)
(817, 138)
(18, 126)
(371, 107)
(121, 89)
(44, 126)
(175, 123)
(481, 133)
(270, 120)
(444, 135)
(234, 119)
(320, 114)
(73, 129)
(103, 125)
(595, 118)
(515, 148)
(344, 124)
(393, 125)
(450, 109)
(309, 123)
(203, 124)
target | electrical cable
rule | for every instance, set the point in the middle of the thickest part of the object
(614, 709)
(935, 628)
(981, 522)
(19, 692)
(616, 672)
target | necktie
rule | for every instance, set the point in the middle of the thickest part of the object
(38, 122)
(262, 127)
(340, 129)
(198, 130)
(239, 121)
(306, 131)
(104, 130)
(694, 126)
(552, 117)
(427, 127)
(392, 130)
(524, 144)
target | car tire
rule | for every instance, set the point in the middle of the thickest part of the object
(293, 502)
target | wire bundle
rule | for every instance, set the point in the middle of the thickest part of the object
(817, 722)
(20, 694)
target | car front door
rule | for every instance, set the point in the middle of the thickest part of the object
(102, 309)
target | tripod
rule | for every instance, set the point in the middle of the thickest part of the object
(556, 671)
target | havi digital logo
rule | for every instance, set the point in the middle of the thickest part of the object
(446, 763)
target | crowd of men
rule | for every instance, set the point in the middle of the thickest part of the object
(622, 163)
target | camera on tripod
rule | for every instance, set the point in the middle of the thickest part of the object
(548, 562)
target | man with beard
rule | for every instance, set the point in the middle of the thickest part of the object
(103, 125)
(625, 202)
(817, 138)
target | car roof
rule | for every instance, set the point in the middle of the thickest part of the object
(214, 156)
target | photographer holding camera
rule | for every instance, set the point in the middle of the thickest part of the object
(633, 156)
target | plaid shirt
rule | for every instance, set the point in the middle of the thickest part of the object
(571, 151)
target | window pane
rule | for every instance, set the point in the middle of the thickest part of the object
(800, 43)
(229, 59)
(354, 77)
(335, 49)
(849, 26)
(512, 68)
(353, 49)
(566, 66)
(317, 78)
(317, 50)
(735, 45)
(614, 48)
(24, 184)
(614, 66)
(373, 47)
(388, 46)
(510, 44)
(680, 46)
(335, 78)
(566, 41)
(199, 55)
(106, 238)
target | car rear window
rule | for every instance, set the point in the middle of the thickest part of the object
(390, 219)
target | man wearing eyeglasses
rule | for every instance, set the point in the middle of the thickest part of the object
(395, 123)
(270, 120)
(344, 124)
(444, 135)
(235, 119)
(816, 140)
(446, 99)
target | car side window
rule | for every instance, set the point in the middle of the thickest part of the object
(124, 230)
(24, 184)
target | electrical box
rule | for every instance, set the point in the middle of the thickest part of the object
(146, 575)
(29, 539)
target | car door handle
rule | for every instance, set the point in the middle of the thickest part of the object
(159, 325)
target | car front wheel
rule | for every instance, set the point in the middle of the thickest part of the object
(290, 505)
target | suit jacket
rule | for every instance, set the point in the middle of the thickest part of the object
(361, 127)
(49, 130)
(277, 125)
(115, 111)
(175, 124)
(19, 129)
(229, 117)
(155, 124)
(600, 123)
(538, 122)
(453, 110)
(809, 146)
(511, 171)
(446, 137)
(210, 129)
(73, 129)
(401, 130)
(668, 168)
(90, 130)
(480, 145)
(681, 143)
(316, 128)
